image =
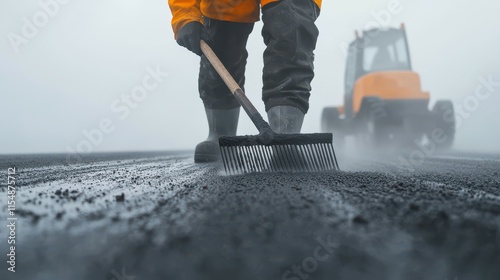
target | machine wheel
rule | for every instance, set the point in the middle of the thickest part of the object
(444, 118)
(331, 123)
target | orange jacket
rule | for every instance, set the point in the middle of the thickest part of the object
(185, 11)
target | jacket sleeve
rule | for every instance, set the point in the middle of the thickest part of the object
(183, 12)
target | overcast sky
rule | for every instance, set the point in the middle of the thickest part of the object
(73, 69)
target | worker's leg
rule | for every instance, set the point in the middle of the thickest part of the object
(228, 40)
(290, 35)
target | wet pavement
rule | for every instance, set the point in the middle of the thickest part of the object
(160, 216)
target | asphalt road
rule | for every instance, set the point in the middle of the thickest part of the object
(160, 216)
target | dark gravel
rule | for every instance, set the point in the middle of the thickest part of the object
(159, 216)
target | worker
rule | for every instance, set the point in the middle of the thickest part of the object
(290, 36)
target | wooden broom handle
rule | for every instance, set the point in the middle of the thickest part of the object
(219, 67)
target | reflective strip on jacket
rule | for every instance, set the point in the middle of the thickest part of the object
(185, 11)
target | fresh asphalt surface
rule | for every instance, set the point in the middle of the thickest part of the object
(378, 218)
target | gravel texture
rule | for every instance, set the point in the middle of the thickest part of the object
(160, 216)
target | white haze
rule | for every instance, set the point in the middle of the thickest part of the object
(65, 79)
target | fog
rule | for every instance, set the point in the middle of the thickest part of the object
(71, 76)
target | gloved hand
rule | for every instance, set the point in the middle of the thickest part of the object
(189, 36)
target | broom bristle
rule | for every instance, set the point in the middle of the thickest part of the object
(286, 153)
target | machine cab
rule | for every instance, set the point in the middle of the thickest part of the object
(378, 50)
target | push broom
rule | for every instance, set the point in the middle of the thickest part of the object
(269, 151)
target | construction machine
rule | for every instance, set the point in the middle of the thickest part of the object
(384, 104)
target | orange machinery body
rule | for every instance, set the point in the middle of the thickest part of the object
(384, 104)
(388, 85)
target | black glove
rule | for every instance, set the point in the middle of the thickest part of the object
(190, 35)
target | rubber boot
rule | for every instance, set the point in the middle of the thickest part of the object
(285, 119)
(220, 122)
